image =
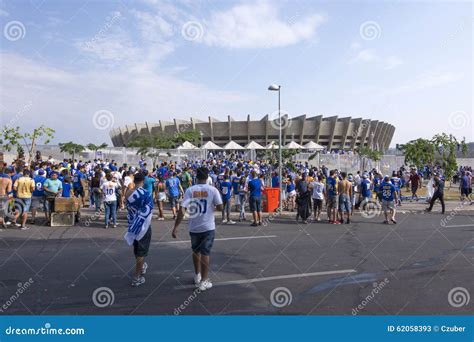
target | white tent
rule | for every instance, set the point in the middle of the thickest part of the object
(211, 146)
(187, 146)
(254, 146)
(313, 146)
(293, 146)
(232, 145)
(272, 146)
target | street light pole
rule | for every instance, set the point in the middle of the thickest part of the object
(275, 87)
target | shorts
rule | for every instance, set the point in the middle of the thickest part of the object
(317, 204)
(3, 205)
(255, 203)
(24, 204)
(37, 202)
(292, 193)
(344, 203)
(161, 197)
(465, 191)
(142, 246)
(174, 201)
(79, 192)
(414, 189)
(332, 202)
(202, 242)
(387, 205)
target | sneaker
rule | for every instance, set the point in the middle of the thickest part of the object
(24, 228)
(161, 218)
(260, 223)
(224, 221)
(336, 222)
(254, 224)
(106, 226)
(230, 222)
(115, 226)
(205, 285)
(197, 279)
(348, 221)
(144, 268)
(138, 281)
(17, 225)
(394, 221)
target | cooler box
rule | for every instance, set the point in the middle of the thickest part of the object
(270, 199)
(64, 205)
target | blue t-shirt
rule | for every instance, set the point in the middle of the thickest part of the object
(397, 182)
(331, 186)
(275, 182)
(66, 190)
(226, 190)
(39, 181)
(365, 188)
(173, 186)
(77, 179)
(149, 183)
(255, 187)
(235, 184)
(388, 190)
(377, 184)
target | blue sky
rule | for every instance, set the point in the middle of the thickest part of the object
(82, 67)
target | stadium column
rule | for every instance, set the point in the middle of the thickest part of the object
(365, 133)
(332, 130)
(318, 120)
(248, 127)
(229, 127)
(355, 132)
(302, 122)
(211, 128)
(347, 124)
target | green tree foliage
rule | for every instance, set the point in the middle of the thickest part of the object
(95, 148)
(71, 148)
(147, 143)
(11, 137)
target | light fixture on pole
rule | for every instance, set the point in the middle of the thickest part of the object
(275, 87)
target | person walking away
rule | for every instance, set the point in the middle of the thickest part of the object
(255, 188)
(225, 188)
(464, 186)
(331, 199)
(200, 201)
(318, 192)
(174, 188)
(161, 197)
(96, 192)
(242, 198)
(345, 194)
(415, 181)
(438, 193)
(24, 187)
(139, 203)
(38, 199)
(110, 189)
(389, 198)
(79, 178)
(303, 199)
(397, 183)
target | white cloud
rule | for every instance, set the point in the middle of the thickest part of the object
(366, 56)
(67, 101)
(428, 80)
(258, 25)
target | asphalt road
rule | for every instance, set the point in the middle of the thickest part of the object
(279, 268)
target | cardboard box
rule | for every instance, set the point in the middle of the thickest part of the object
(62, 219)
(64, 205)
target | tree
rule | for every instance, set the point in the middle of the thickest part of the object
(71, 148)
(418, 152)
(95, 148)
(370, 154)
(11, 137)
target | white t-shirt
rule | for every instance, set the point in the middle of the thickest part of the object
(318, 190)
(200, 201)
(109, 188)
(127, 181)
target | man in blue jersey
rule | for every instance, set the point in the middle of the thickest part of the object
(331, 197)
(389, 198)
(235, 180)
(174, 188)
(255, 187)
(38, 200)
(225, 188)
(77, 185)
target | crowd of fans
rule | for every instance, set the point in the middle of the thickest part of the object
(26, 189)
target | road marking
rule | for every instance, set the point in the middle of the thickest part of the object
(221, 239)
(257, 280)
(460, 225)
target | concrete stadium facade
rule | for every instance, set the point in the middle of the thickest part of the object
(332, 132)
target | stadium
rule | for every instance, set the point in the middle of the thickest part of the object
(334, 133)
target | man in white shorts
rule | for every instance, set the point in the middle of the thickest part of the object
(200, 200)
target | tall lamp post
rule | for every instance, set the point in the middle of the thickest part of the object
(274, 87)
